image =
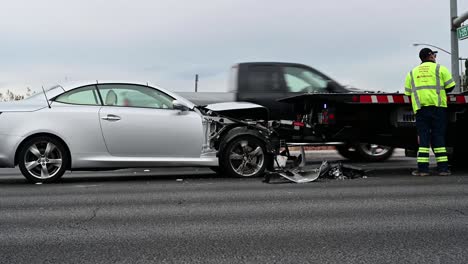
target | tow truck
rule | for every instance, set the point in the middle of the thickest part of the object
(381, 118)
(264, 83)
(313, 109)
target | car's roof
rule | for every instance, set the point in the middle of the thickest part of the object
(75, 84)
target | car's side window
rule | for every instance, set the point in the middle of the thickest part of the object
(130, 95)
(86, 95)
(303, 80)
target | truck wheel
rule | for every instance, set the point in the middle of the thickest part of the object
(43, 159)
(348, 152)
(373, 153)
(244, 156)
(365, 152)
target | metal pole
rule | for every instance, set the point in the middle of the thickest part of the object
(460, 19)
(454, 41)
(196, 82)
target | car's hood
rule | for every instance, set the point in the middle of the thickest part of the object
(22, 106)
(240, 110)
(219, 107)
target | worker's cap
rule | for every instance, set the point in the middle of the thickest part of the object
(424, 53)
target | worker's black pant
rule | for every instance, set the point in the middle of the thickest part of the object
(431, 123)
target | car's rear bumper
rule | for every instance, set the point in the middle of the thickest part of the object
(8, 145)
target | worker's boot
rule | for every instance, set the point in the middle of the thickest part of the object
(420, 173)
(444, 173)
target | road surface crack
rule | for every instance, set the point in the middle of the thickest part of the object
(460, 212)
(93, 215)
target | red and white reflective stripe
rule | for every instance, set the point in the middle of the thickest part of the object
(403, 99)
(384, 99)
(458, 99)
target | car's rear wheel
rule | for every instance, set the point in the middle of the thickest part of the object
(244, 156)
(43, 159)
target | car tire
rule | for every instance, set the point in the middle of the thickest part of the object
(244, 156)
(216, 169)
(373, 152)
(347, 152)
(365, 152)
(43, 159)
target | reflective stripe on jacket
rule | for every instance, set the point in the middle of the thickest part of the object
(426, 85)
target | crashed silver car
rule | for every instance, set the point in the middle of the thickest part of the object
(114, 125)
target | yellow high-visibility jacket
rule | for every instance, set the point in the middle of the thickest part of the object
(426, 85)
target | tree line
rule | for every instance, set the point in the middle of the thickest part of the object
(11, 96)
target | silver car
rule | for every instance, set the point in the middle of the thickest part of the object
(114, 125)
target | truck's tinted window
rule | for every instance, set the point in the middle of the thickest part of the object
(304, 80)
(263, 79)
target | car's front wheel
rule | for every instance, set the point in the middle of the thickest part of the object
(244, 156)
(43, 159)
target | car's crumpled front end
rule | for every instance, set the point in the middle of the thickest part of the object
(244, 146)
(221, 118)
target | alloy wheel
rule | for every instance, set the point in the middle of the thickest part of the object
(246, 158)
(43, 160)
(374, 149)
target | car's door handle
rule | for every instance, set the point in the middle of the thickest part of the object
(111, 118)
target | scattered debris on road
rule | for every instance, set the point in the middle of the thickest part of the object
(294, 169)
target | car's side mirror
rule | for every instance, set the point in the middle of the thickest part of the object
(178, 105)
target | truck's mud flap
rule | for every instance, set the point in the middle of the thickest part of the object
(326, 170)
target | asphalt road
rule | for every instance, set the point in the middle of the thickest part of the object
(195, 216)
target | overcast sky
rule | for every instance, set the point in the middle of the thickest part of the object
(362, 43)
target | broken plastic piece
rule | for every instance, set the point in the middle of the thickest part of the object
(326, 170)
(298, 175)
(281, 161)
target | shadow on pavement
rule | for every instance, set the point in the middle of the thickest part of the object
(128, 175)
(396, 167)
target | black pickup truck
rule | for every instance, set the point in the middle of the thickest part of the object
(265, 83)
